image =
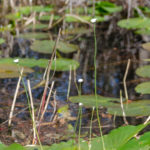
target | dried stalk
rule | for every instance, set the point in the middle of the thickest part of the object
(32, 111)
(69, 84)
(48, 74)
(54, 106)
(15, 97)
(123, 112)
(124, 79)
(47, 101)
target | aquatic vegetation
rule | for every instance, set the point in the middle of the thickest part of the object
(46, 46)
(60, 64)
(117, 139)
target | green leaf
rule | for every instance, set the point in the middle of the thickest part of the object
(143, 71)
(13, 16)
(47, 18)
(90, 100)
(116, 138)
(2, 146)
(11, 70)
(46, 46)
(143, 88)
(134, 23)
(15, 146)
(106, 8)
(26, 10)
(38, 26)
(2, 41)
(73, 31)
(83, 19)
(134, 108)
(34, 35)
(37, 147)
(144, 31)
(61, 64)
(70, 145)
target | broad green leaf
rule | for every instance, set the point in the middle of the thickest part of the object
(26, 10)
(143, 71)
(135, 108)
(116, 138)
(12, 70)
(80, 30)
(146, 46)
(134, 23)
(106, 8)
(69, 145)
(38, 26)
(15, 146)
(145, 139)
(83, 19)
(34, 35)
(61, 64)
(90, 100)
(2, 146)
(46, 46)
(2, 41)
(144, 31)
(37, 147)
(47, 18)
(13, 16)
(143, 88)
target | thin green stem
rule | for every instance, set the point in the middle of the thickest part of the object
(95, 77)
(90, 138)
(80, 110)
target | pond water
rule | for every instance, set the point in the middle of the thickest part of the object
(113, 52)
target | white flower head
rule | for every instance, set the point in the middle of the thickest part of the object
(80, 80)
(93, 20)
(80, 104)
(16, 60)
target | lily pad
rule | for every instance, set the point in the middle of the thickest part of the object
(143, 71)
(135, 108)
(144, 31)
(82, 19)
(12, 71)
(90, 100)
(143, 88)
(38, 26)
(61, 64)
(34, 35)
(26, 10)
(146, 46)
(46, 46)
(106, 8)
(47, 17)
(13, 16)
(134, 23)
(73, 31)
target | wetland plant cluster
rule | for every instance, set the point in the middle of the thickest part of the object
(38, 24)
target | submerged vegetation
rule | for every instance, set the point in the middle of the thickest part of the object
(41, 42)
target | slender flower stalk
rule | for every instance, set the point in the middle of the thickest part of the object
(95, 79)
